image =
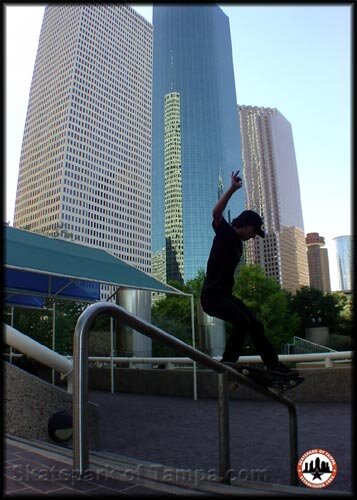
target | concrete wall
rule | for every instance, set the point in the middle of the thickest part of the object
(30, 402)
(321, 384)
(318, 335)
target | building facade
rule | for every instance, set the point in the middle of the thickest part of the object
(272, 189)
(196, 138)
(173, 188)
(317, 258)
(85, 167)
(344, 261)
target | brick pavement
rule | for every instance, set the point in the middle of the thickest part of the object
(181, 432)
(30, 473)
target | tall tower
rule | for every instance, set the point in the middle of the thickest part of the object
(194, 117)
(85, 167)
(173, 189)
(344, 261)
(272, 187)
(318, 262)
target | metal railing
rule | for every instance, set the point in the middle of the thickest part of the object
(311, 346)
(328, 358)
(80, 392)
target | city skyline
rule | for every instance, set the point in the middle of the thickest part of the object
(307, 78)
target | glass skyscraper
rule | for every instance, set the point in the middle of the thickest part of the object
(344, 261)
(272, 183)
(195, 134)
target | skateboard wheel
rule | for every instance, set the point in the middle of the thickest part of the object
(245, 371)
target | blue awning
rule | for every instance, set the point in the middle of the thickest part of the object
(43, 266)
(16, 299)
(21, 284)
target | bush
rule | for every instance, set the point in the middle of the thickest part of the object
(340, 342)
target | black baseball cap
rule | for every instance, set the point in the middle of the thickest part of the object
(249, 218)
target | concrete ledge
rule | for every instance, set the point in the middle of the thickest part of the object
(30, 402)
(325, 384)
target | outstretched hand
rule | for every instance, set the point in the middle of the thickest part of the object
(236, 181)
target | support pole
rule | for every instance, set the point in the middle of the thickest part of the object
(53, 336)
(223, 421)
(194, 346)
(293, 446)
(111, 355)
(80, 394)
(12, 324)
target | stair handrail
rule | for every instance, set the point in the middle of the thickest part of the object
(80, 387)
(300, 342)
(40, 353)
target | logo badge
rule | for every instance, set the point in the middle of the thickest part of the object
(317, 468)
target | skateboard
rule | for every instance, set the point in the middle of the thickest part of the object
(276, 381)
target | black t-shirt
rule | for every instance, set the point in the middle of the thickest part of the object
(224, 257)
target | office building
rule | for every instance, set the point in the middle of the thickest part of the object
(173, 187)
(196, 138)
(344, 262)
(85, 167)
(317, 258)
(272, 189)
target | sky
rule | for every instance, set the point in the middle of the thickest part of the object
(296, 58)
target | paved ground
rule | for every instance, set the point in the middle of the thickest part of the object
(28, 473)
(183, 433)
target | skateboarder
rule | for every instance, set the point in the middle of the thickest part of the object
(216, 296)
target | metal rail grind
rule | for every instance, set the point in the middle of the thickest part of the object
(80, 383)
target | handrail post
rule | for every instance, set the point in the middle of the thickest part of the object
(223, 422)
(80, 394)
(293, 445)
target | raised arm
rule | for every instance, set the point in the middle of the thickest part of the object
(236, 183)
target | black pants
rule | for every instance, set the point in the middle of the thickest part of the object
(230, 308)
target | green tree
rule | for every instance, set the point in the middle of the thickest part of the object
(194, 286)
(345, 318)
(315, 308)
(67, 314)
(271, 305)
(173, 314)
(38, 323)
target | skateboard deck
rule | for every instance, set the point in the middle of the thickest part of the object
(273, 380)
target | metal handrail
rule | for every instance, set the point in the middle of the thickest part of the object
(311, 346)
(80, 391)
